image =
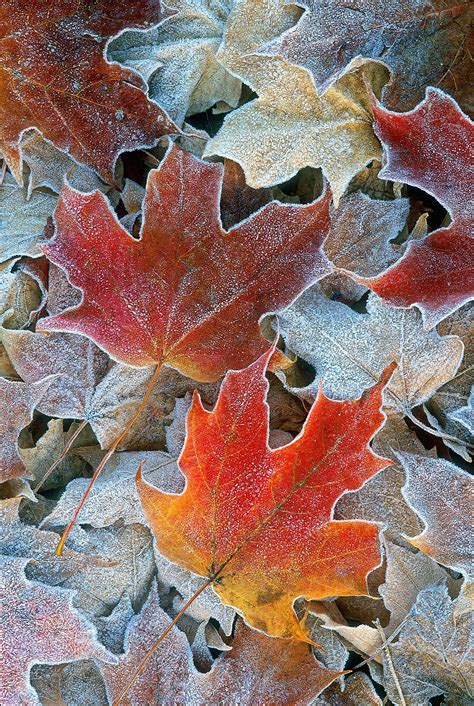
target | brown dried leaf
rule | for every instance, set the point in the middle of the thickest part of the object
(289, 127)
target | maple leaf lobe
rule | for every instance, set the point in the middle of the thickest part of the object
(430, 147)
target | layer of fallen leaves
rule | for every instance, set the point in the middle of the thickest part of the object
(265, 206)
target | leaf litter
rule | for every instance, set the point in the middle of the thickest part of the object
(185, 188)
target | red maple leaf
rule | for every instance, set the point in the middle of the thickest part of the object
(431, 148)
(54, 77)
(188, 294)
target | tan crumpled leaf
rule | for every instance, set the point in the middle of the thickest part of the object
(91, 388)
(22, 218)
(178, 58)
(349, 350)
(33, 613)
(441, 494)
(22, 293)
(407, 574)
(261, 670)
(362, 638)
(17, 402)
(433, 653)
(360, 241)
(114, 497)
(288, 126)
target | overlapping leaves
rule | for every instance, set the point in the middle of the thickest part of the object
(324, 500)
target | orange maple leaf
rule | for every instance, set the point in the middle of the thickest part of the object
(258, 521)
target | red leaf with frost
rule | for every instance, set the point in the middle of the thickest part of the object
(188, 294)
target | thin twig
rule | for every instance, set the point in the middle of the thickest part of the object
(390, 664)
(156, 644)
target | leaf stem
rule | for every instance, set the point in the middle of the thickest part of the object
(390, 664)
(157, 642)
(61, 457)
(102, 464)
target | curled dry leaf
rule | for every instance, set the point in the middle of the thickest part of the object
(423, 44)
(178, 58)
(288, 126)
(22, 292)
(259, 669)
(360, 638)
(22, 219)
(33, 613)
(18, 401)
(58, 81)
(431, 148)
(441, 494)
(153, 304)
(264, 554)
